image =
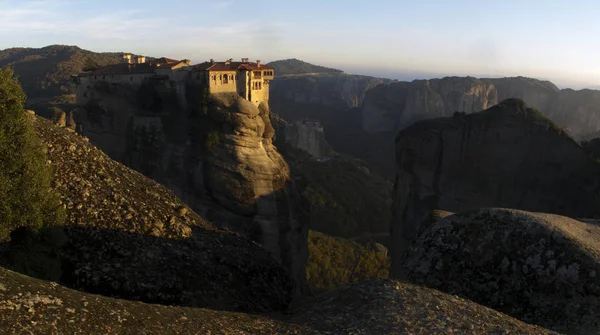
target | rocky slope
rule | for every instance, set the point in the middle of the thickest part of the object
(129, 237)
(33, 306)
(506, 156)
(215, 152)
(539, 268)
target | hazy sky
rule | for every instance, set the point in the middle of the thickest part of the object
(549, 39)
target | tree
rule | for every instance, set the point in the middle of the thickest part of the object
(26, 199)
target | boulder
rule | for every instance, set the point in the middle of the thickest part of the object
(539, 268)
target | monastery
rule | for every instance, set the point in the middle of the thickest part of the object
(249, 80)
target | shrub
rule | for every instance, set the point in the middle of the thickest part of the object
(25, 196)
(335, 261)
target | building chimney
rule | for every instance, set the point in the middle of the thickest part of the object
(212, 61)
(186, 61)
(126, 58)
(258, 62)
(244, 60)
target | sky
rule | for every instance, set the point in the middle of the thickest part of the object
(546, 39)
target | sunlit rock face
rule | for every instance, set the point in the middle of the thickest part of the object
(214, 151)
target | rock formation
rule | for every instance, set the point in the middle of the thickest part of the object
(33, 306)
(506, 156)
(388, 107)
(215, 152)
(307, 135)
(130, 237)
(539, 268)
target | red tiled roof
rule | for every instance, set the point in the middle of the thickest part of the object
(233, 66)
(169, 65)
(163, 60)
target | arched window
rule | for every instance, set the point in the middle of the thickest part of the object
(220, 77)
(225, 81)
(214, 77)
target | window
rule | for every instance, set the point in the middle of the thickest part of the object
(95, 77)
(130, 78)
(103, 77)
(257, 74)
(225, 81)
(85, 95)
(214, 77)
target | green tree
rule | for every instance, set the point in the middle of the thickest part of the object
(26, 199)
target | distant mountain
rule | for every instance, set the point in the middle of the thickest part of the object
(295, 66)
(45, 72)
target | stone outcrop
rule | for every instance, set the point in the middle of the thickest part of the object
(127, 236)
(506, 156)
(33, 306)
(307, 135)
(539, 268)
(215, 152)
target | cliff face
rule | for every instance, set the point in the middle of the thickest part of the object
(507, 156)
(397, 105)
(307, 135)
(215, 152)
(293, 96)
(391, 107)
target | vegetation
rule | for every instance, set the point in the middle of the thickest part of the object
(295, 66)
(335, 261)
(46, 72)
(25, 196)
(341, 196)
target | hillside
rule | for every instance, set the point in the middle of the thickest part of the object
(294, 66)
(33, 306)
(130, 237)
(45, 72)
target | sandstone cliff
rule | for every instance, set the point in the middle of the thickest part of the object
(506, 156)
(389, 108)
(539, 268)
(307, 135)
(290, 93)
(214, 152)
